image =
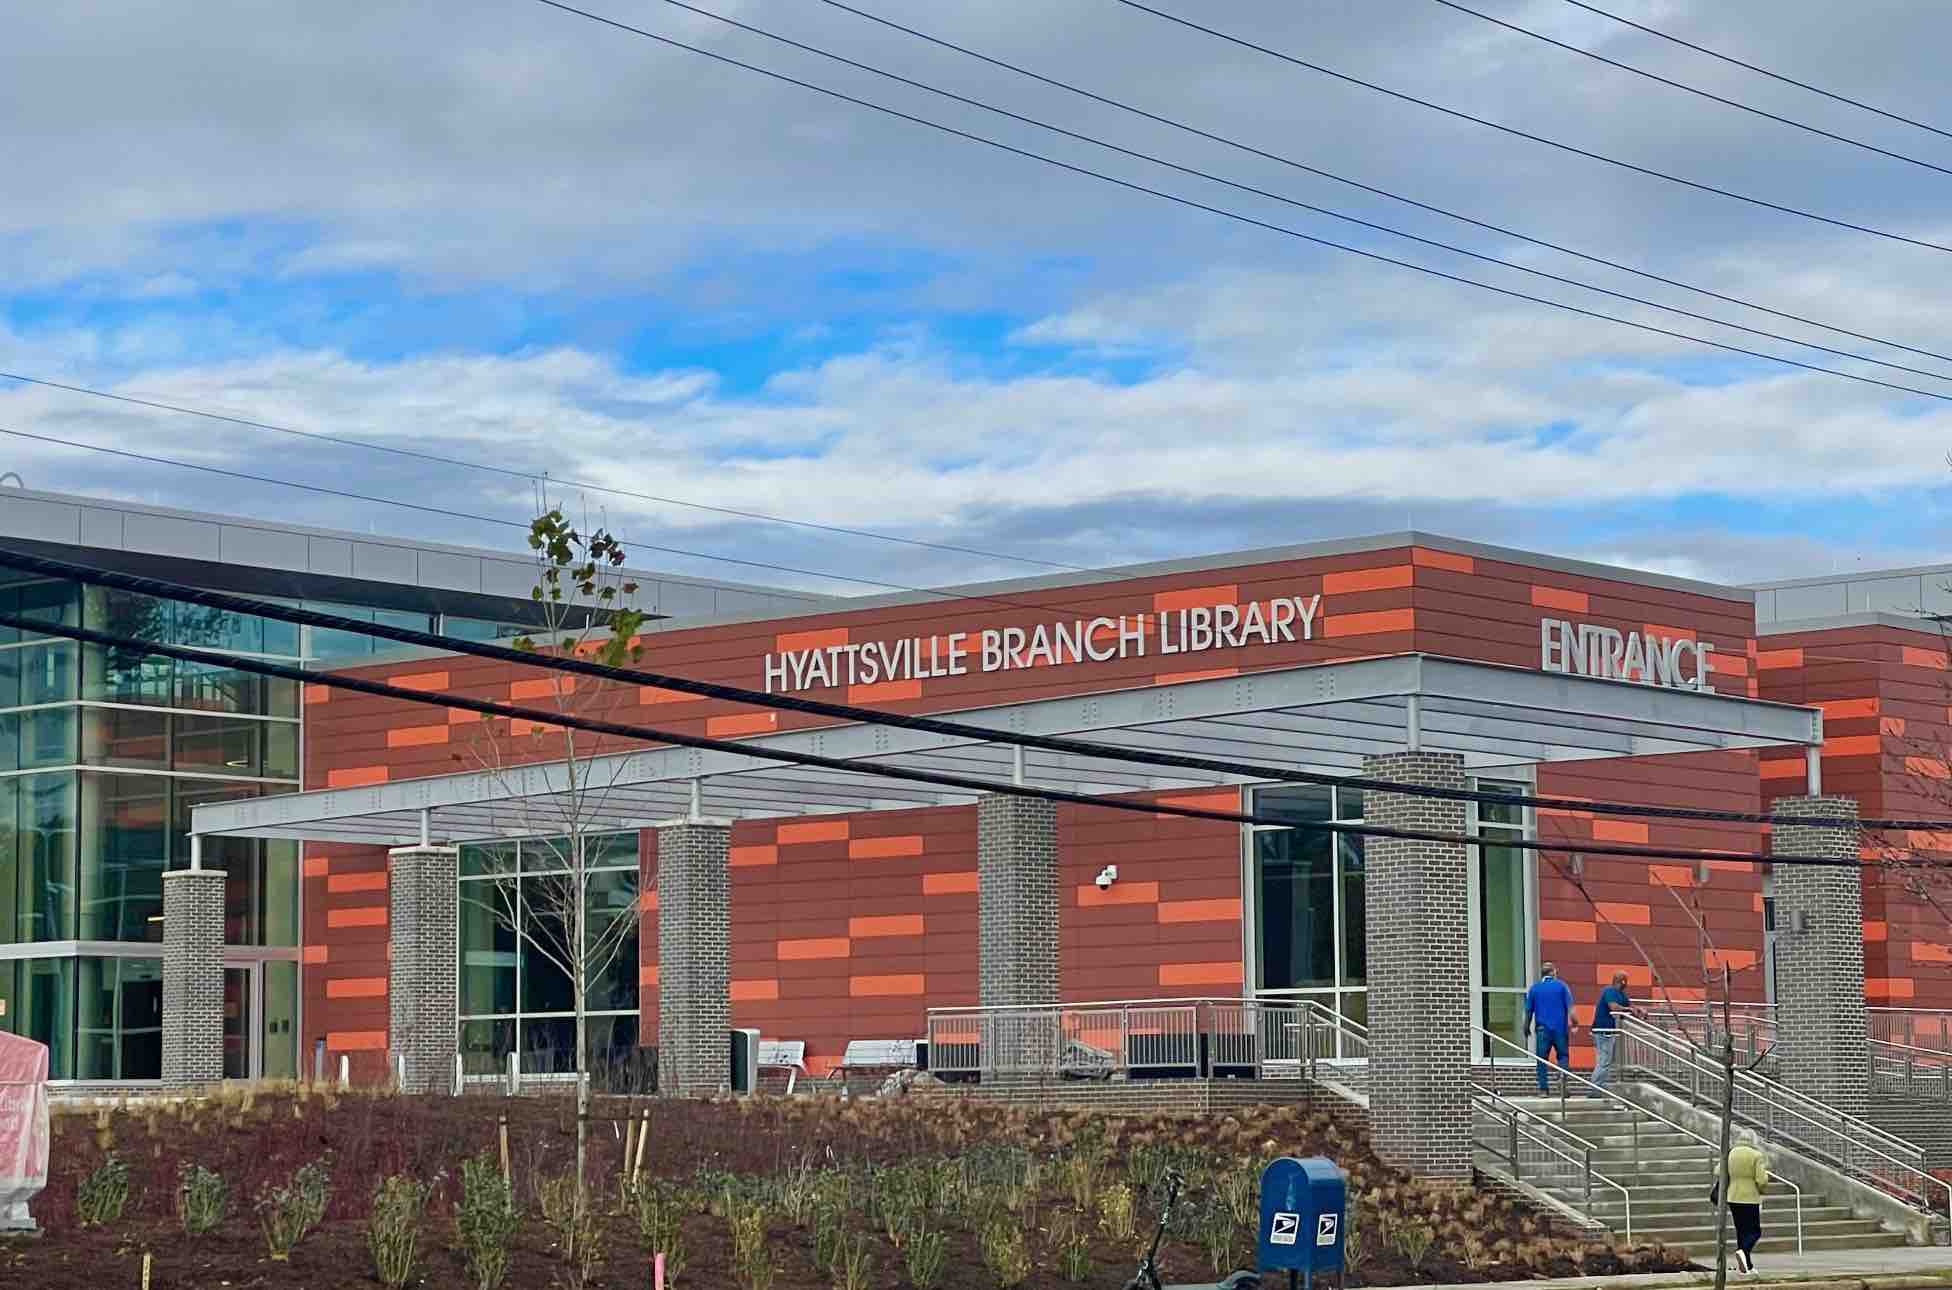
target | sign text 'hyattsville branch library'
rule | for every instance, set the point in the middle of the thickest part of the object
(1003, 649)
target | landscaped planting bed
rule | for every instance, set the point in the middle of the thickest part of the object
(360, 1190)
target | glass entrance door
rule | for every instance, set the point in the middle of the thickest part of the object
(243, 1002)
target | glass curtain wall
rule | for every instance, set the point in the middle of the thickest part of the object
(1309, 912)
(515, 986)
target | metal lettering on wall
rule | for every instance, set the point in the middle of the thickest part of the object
(1004, 649)
(1582, 649)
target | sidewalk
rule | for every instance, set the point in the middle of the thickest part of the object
(1903, 1268)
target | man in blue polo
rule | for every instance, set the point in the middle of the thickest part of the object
(1548, 1005)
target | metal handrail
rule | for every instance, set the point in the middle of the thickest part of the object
(1497, 1104)
(1568, 1077)
(1887, 1023)
(1895, 1067)
(1188, 1035)
(1850, 1134)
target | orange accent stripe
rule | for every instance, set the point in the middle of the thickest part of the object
(948, 884)
(317, 694)
(1853, 746)
(813, 831)
(650, 695)
(1875, 929)
(1672, 875)
(1889, 987)
(817, 947)
(1199, 911)
(744, 723)
(1779, 658)
(317, 866)
(885, 925)
(647, 974)
(1178, 678)
(1929, 767)
(1430, 559)
(318, 954)
(356, 987)
(356, 882)
(1930, 952)
(1672, 633)
(462, 717)
(903, 983)
(419, 681)
(1197, 597)
(754, 856)
(884, 692)
(1566, 929)
(1092, 896)
(1783, 769)
(1627, 914)
(1915, 657)
(1928, 839)
(908, 844)
(355, 776)
(1350, 580)
(1637, 973)
(1840, 709)
(1574, 602)
(366, 916)
(1379, 621)
(1733, 960)
(1224, 799)
(755, 990)
(416, 736)
(1891, 727)
(541, 687)
(355, 1041)
(820, 638)
(1619, 831)
(1228, 973)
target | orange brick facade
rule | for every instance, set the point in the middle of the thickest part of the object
(850, 926)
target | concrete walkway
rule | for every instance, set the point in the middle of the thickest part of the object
(1902, 1268)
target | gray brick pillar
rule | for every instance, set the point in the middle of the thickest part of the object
(423, 942)
(1419, 972)
(1822, 1028)
(694, 956)
(1016, 896)
(193, 977)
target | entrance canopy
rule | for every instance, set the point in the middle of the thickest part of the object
(1324, 717)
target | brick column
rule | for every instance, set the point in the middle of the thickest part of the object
(1016, 883)
(694, 956)
(193, 977)
(1419, 971)
(423, 942)
(1822, 1029)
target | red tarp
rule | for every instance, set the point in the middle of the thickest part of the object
(23, 1127)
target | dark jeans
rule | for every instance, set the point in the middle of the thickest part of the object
(1748, 1225)
(1548, 1040)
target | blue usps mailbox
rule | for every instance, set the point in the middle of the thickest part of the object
(1301, 1216)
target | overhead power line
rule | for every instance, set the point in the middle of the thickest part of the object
(1253, 190)
(1760, 71)
(46, 566)
(877, 770)
(1573, 149)
(1291, 162)
(559, 480)
(1236, 216)
(1737, 104)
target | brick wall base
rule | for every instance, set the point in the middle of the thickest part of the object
(1822, 1028)
(694, 957)
(193, 977)
(423, 930)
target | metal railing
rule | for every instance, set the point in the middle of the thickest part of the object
(1851, 1144)
(1752, 1024)
(1548, 1155)
(1138, 1039)
(1569, 1080)
(1915, 1074)
(1928, 1028)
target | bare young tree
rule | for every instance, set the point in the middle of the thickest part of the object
(562, 909)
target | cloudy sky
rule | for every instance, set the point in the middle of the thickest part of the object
(503, 233)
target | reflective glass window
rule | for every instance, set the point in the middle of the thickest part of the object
(125, 737)
(124, 850)
(1297, 901)
(110, 675)
(120, 1014)
(47, 738)
(46, 910)
(46, 671)
(544, 941)
(278, 1035)
(488, 948)
(610, 927)
(43, 1009)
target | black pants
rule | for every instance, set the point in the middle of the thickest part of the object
(1748, 1225)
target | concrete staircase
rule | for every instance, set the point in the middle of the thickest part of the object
(1668, 1176)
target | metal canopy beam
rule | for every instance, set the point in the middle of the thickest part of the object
(1324, 717)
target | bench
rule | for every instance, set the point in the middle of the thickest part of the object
(789, 1055)
(878, 1054)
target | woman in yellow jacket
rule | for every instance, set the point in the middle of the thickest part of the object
(1748, 1174)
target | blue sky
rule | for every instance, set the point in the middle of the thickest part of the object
(548, 246)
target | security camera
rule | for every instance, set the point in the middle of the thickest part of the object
(1107, 876)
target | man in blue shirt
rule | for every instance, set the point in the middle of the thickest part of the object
(1606, 1024)
(1548, 1005)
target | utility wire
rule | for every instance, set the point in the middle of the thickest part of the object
(1236, 216)
(344, 442)
(1792, 122)
(1319, 172)
(964, 783)
(1290, 201)
(49, 567)
(1760, 71)
(1515, 132)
